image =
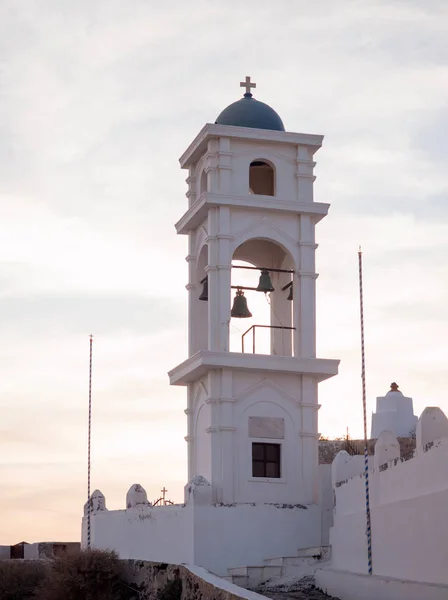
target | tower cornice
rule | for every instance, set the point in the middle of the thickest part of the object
(203, 361)
(197, 213)
(212, 131)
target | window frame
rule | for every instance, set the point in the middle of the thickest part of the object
(262, 442)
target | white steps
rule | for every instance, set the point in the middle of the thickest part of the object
(304, 556)
(322, 551)
(305, 563)
(253, 576)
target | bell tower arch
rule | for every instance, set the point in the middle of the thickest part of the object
(252, 417)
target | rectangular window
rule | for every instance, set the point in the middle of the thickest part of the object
(265, 460)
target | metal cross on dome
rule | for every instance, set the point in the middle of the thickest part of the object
(248, 85)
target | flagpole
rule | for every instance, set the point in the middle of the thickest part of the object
(364, 404)
(89, 502)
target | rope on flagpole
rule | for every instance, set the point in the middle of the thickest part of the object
(364, 404)
(89, 500)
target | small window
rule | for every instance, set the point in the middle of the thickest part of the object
(261, 178)
(266, 460)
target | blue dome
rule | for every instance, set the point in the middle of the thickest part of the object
(249, 112)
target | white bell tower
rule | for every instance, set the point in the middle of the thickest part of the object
(252, 417)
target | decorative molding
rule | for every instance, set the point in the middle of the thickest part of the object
(211, 401)
(190, 286)
(190, 258)
(309, 434)
(218, 236)
(261, 223)
(198, 390)
(219, 428)
(202, 385)
(188, 411)
(310, 405)
(312, 245)
(266, 383)
(201, 240)
(305, 161)
(300, 175)
(264, 153)
(189, 438)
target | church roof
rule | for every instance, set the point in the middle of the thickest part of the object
(249, 112)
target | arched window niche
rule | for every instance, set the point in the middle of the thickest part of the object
(261, 178)
(203, 184)
(269, 329)
(199, 325)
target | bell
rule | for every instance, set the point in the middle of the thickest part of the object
(239, 308)
(265, 283)
(204, 293)
(290, 297)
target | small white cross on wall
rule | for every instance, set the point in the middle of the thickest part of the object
(247, 84)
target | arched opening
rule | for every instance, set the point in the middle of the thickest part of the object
(199, 328)
(261, 178)
(203, 183)
(269, 330)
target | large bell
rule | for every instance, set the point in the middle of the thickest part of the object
(265, 283)
(204, 293)
(239, 308)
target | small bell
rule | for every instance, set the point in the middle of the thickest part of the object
(265, 283)
(204, 293)
(290, 296)
(239, 308)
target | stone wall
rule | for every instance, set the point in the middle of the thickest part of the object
(162, 581)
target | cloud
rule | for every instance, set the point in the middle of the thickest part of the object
(75, 314)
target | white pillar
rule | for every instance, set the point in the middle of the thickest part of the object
(310, 444)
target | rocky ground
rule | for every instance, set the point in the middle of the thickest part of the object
(303, 589)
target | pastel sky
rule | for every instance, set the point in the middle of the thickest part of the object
(98, 99)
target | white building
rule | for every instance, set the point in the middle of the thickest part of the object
(252, 418)
(395, 413)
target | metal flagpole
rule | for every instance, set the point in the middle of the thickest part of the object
(364, 404)
(89, 502)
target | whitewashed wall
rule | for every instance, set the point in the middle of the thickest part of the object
(161, 533)
(214, 537)
(325, 502)
(409, 513)
(241, 535)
